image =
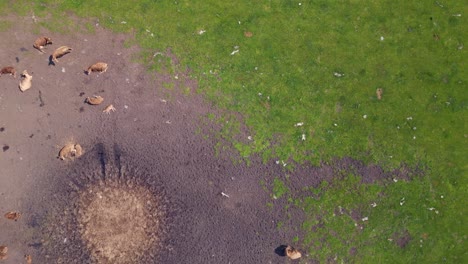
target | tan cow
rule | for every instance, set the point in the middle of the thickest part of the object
(97, 67)
(59, 52)
(26, 81)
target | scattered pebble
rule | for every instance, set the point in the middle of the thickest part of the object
(381, 38)
(63, 69)
(364, 116)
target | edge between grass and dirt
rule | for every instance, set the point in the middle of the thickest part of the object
(305, 90)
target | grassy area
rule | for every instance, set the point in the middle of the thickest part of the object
(397, 222)
(318, 64)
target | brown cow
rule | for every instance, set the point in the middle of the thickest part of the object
(41, 42)
(8, 70)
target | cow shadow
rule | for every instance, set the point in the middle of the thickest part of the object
(281, 250)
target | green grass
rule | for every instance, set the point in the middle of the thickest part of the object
(288, 73)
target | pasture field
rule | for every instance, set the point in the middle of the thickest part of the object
(302, 77)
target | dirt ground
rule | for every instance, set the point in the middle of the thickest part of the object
(150, 141)
(149, 187)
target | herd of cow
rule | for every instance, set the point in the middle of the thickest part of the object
(70, 150)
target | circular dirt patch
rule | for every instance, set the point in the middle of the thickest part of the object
(105, 212)
(118, 222)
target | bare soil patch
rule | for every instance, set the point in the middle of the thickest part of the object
(118, 222)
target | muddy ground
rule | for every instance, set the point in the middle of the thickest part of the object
(149, 186)
(152, 136)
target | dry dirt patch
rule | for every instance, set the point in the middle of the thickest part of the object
(118, 223)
